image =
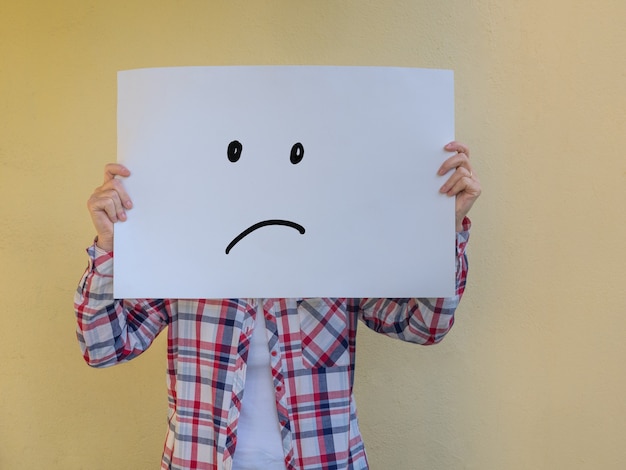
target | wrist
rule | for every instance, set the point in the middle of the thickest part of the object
(104, 243)
(463, 225)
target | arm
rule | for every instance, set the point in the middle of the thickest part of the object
(426, 321)
(421, 321)
(112, 331)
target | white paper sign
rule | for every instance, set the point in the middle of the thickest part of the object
(286, 181)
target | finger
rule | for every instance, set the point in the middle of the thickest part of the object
(455, 146)
(111, 170)
(117, 185)
(113, 209)
(459, 175)
(107, 202)
(457, 186)
(455, 161)
(122, 194)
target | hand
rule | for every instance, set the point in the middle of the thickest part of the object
(463, 183)
(108, 204)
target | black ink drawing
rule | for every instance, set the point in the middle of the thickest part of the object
(234, 154)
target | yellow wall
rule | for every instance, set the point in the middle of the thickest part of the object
(532, 376)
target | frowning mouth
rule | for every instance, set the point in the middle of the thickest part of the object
(264, 223)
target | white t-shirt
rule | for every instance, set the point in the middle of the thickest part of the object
(259, 443)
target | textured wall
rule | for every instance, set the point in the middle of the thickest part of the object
(532, 375)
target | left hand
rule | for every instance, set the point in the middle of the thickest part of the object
(462, 183)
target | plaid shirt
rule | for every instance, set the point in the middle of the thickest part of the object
(312, 350)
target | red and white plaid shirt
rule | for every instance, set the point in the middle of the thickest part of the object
(312, 350)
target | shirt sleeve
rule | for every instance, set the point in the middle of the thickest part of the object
(111, 331)
(419, 320)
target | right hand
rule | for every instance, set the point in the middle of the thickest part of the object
(108, 204)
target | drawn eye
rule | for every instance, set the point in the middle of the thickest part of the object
(297, 153)
(234, 151)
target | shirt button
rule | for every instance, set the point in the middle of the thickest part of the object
(274, 353)
(279, 388)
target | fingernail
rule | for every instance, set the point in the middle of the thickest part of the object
(129, 204)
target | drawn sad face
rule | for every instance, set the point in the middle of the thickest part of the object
(234, 153)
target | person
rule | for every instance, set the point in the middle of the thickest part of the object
(257, 383)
